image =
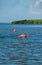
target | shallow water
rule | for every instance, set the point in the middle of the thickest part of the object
(16, 51)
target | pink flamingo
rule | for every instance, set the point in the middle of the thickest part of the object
(14, 30)
(23, 36)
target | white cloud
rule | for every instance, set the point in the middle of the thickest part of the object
(34, 9)
(38, 2)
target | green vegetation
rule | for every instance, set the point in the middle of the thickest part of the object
(27, 22)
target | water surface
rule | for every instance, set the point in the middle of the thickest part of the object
(16, 51)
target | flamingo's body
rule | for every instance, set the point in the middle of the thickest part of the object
(23, 36)
(14, 30)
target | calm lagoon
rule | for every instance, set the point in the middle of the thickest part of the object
(17, 51)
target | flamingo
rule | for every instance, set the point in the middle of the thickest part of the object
(14, 30)
(23, 36)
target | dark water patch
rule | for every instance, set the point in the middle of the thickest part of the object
(39, 63)
(22, 62)
(36, 59)
(14, 58)
(22, 54)
(4, 63)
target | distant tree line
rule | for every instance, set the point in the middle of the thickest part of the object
(27, 22)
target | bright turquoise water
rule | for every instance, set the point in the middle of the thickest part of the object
(16, 51)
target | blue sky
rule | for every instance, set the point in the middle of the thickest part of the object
(20, 9)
